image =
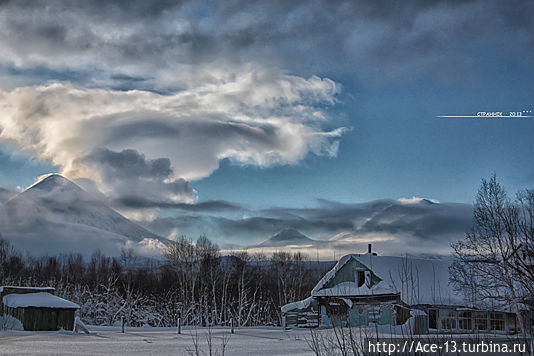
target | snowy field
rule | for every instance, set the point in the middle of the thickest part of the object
(155, 341)
(108, 340)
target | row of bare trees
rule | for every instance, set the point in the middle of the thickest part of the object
(246, 288)
(193, 282)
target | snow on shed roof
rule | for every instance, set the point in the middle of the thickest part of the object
(38, 300)
(301, 304)
(27, 288)
(419, 281)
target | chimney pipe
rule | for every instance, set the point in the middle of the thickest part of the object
(369, 248)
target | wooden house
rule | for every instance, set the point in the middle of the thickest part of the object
(367, 289)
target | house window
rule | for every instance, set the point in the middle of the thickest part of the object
(448, 319)
(497, 321)
(361, 278)
(481, 321)
(432, 319)
(465, 321)
(512, 325)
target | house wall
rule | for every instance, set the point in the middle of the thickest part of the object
(465, 320)
(43, 319)
(325, 321)
(347, 273)
(361, 315)
(291, 318)
(304, 317)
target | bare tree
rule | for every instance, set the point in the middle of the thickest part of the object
(494, 263)
(128, 258)
(208, 255)
(282, 264)
(182, 257)
(246, 299)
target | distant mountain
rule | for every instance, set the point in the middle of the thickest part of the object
(287, 237)
(428, 201)
(418, 201)
(55, 214)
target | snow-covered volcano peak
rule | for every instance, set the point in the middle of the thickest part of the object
(286, 237)
(289, 234)
(418, 201)
(53, 183)
(63, 217)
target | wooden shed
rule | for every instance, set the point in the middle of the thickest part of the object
(38, 308)
(301, 314)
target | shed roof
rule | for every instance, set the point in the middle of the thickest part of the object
(27, 288)
(301, 304)
(38, 300)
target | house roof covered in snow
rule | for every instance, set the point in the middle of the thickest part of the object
(417, 280)
(47, 289)
(38, 300)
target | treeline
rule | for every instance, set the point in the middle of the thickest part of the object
(193, 282)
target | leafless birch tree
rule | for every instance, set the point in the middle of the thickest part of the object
(494, 264)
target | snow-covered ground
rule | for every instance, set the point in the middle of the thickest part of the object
(155, 341)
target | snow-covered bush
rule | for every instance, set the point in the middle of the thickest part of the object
(7, 322)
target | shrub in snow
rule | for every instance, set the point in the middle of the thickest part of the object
(7, 322)
(80, 326)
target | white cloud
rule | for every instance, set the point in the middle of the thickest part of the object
(255, 117)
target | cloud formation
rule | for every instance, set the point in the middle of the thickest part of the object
(5, 194)
(208, 72)
(133, 202)
(256, 118)
(138, 98)
(393, 227)
(165, 45)
(129, 174)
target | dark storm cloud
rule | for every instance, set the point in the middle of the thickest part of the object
(127, 78)
(423, 222)
(124, 82)
(128, 163)
(132, 9)
(135, 178)
(45, 73)
(154, 37)
(333, 214)
(205, 206)
(370, 33)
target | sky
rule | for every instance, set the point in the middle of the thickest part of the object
(239, 118)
